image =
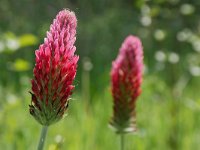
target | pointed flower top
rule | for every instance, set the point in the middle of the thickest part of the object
(54, 70)
(126, 77)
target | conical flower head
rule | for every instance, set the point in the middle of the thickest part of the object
(55, 70)
(126, 77)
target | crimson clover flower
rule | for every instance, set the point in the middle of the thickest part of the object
(54, 70)
(126, 78)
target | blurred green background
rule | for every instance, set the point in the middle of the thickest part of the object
(168, 110)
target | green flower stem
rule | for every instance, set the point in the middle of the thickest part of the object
(42, 137)
(122, 141)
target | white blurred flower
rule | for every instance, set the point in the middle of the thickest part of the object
(184, 35)
(145, 20)
(194, 70)
(12, 44)
(11, 99)
(87, 64)
(173, 58)
(187, 9)
(159, 35)
(196, 45)
(59, 138)
(160, 56)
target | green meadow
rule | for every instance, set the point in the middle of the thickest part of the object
(168, 109)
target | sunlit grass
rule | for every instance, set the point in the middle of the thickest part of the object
(86, 128)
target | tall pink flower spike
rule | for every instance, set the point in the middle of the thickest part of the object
(55, 70)
(126, 77)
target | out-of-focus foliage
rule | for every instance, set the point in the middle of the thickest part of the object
(169, 30)
(15, 58)
(84, 129)
(168, 111)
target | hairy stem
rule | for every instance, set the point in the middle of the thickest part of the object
(42, 137)
(122, 141)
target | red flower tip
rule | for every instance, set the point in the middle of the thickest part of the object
(55, 70)
(126, 77)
